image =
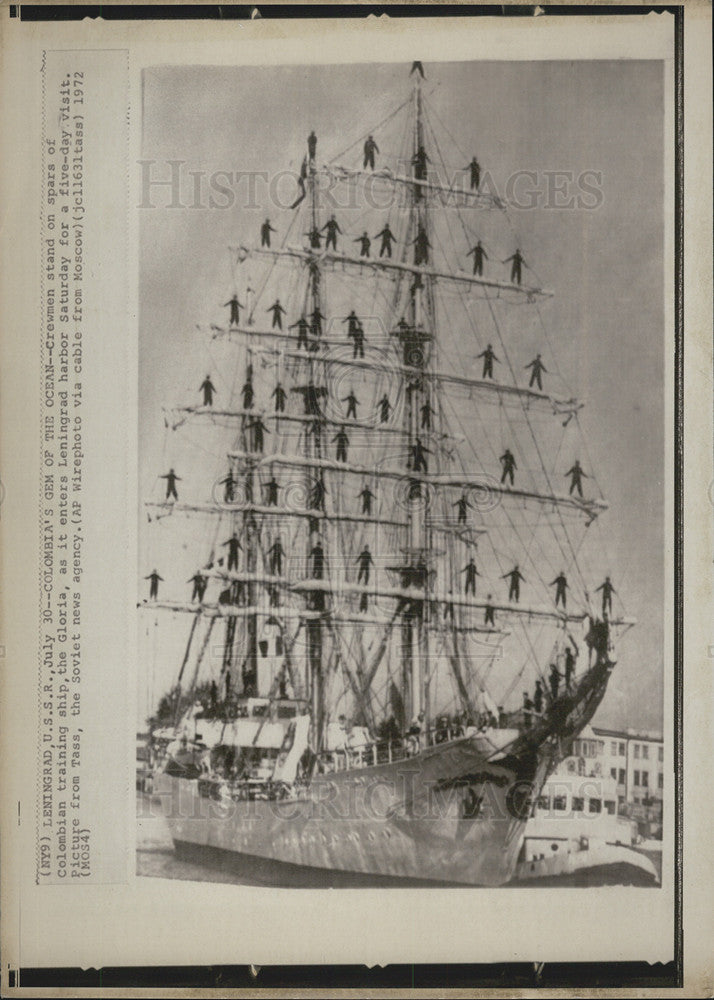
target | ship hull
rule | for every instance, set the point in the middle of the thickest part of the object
(444, 817)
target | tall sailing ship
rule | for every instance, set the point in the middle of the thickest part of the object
(407, 640)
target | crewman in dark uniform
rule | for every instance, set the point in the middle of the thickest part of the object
(280, 398)
(421, 248)
(276, 553)
(518, 262)
(315, 238)
(365, 244)
(388, 238)
(370, 148)
(352, 404)
(561, 585)
(234, 546)
(302, 327)
(538, 697)
(426, 412)
(229, 491)
(479, 255)
(527, 710)
(352, 322)
(207, 388)
(554, 680)
(366, 496)
(419, 452)
(171, 480)
(538, 369)
(471, 574)
(509, 465)
(488, 358)
(342, 440)
(384, 409)
(317, 495)
(311, 145)
(489, 616)
(462, 504)
(278, 312)
(154, 584)
(200, 582)
(475, 170)
(364, 561)
(607, 591)
(569, 667)
(316, 319)
(577, 475)
(258, 429)
(419, 162)
(271, 492)
(516, 578)
(265, 230)
(248, 395)
(333, 228)
(358, 346)
(236, 306)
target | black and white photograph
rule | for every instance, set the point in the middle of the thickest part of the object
(403, 388)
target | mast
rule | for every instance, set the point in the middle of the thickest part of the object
(312, 450)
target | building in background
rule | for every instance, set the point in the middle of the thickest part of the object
(635, 760)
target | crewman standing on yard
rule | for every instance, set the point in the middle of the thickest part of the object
(426, 412)
(271, 492)
(577, 475)
(352, 404)
(419, 453)
(370, 148)
(384, 409)
(312, 145)
(488, 358)
(515, 578)
(207, 388)
(388, 238)
(302, 327)
(518, 263)
(278, 312)
(489, 616)
(234, 547)
(257, 429)
(333, 228)
(365, 244)
(236, 306)
(538, 369)
(479, 256)
(171, 480)
(342, 440)
(607, 591)
(462, 504)
(421, 247)
(474, 169)
(561, 585)
(200, 582)
(280, 398)
(265, 230)
(509, 465)
(366, 496)
(364, 561)
(471, 574)
(276, 553)
(154, 579)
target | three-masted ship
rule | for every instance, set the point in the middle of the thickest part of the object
(381, 540)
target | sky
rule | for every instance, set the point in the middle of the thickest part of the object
(605, 321)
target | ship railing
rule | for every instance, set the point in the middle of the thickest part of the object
(389, 751)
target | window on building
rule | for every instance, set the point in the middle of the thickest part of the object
(613, 749)
(595, 806)
(544, 802)
(660, 781)
(621, 776)
(645, 779)
(610, 807)
(645, 751)
(637, 750)
(578, 804)
(585, 751)
(559, 802)
(637, 777)
(613, 773)
(622, 749)
(660, 754)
